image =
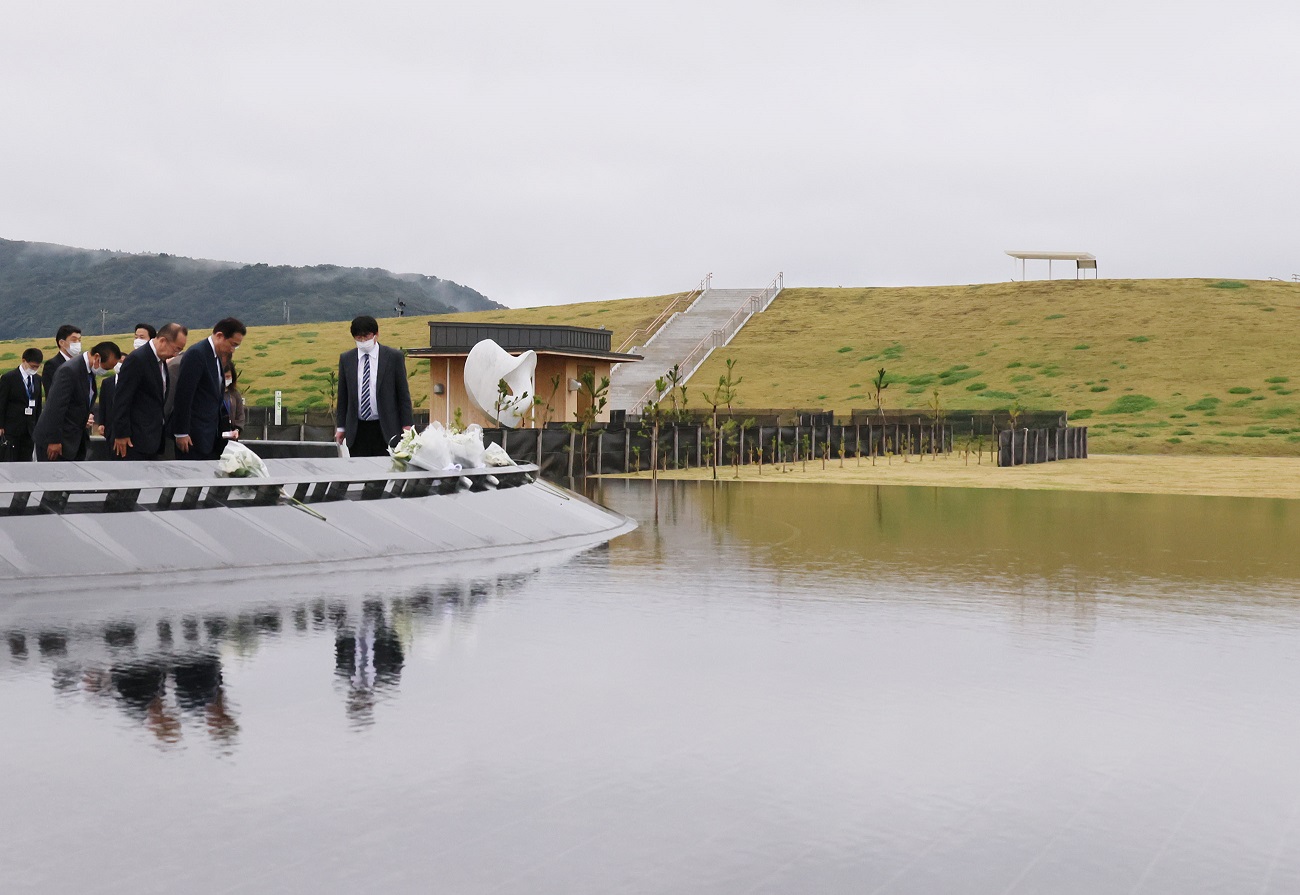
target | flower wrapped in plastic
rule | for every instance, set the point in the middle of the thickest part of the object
(467, 447)
(404, 450)
(495, 455)
(238, 462)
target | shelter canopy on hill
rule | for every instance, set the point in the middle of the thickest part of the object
(1082, 261)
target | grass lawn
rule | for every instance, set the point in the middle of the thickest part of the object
(299, 359)
(1153, 366)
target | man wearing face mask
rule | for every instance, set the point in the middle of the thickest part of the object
(138, 422)
(374, 400)
(63, 430)
(108, 388)
(200, 388)
(20, 406)
(68, 340)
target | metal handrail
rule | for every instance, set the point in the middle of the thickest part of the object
(653, 326)
(759, 301)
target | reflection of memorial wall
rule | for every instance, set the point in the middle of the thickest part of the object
(165, 671)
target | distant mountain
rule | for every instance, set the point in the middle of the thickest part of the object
(43, 285)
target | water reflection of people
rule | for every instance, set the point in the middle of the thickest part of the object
(141, 686)
(370, 658)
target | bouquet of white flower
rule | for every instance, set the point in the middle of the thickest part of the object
(404, 450)
(467, 447)
(238, 462)
(495, 455)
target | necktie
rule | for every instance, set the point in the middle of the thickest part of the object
(31, 394)
(365, 386)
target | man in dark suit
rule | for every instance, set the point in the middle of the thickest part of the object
(108, 390)
(138, 421)
(63, 430)
(68, 340)
(374, 402)
(20, 406)
(200, 387)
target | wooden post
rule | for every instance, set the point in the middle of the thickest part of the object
(573, 437)
(539, 450)
(600, 455)
(627, 449)
(699, 446)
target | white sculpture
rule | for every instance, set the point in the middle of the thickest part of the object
(485, 368)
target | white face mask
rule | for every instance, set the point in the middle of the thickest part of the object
(74, 348)
(101, 372)
(139, 343)
(228, 381)
(365, 346)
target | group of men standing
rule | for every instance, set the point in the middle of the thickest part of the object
(166, 393)
(162, 392)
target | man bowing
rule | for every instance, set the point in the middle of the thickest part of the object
(139, 423)
(374, 402)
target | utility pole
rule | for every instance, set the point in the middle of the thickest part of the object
(103, 321)
(286, 312)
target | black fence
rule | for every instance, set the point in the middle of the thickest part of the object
(1017, 447)
(560, 451)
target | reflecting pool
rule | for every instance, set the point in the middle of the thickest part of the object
(773, 688)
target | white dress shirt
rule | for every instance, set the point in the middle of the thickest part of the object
(372, 411)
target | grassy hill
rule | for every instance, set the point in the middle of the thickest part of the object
(1154, 366)
(299, 359)
(1169, 366)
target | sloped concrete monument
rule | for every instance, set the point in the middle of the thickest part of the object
(114, 524)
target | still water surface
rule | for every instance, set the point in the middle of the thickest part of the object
(774, 689)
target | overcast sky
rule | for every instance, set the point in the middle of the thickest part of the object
(546, 152)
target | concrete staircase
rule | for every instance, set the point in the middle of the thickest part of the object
(687, 339)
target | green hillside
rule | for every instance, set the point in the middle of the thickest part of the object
(1186, 366)
(1153, 366)
(44, 285)
(299, 359)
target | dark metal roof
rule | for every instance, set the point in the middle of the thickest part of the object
(458, 338)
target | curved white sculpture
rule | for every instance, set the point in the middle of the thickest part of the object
(485, 367)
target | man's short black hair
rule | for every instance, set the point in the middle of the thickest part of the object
(106, 350)
(33, 355)
(153, 333)
(365, 325)
(66, 330)
(228, 326)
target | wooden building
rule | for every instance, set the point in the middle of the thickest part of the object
(564, 354)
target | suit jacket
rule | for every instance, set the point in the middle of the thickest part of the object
(390, 389)
(13, 404)
(104, 409)
(139, 398)
(199, 389)
(66, 409)
(51, 367)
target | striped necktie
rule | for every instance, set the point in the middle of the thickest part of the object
(365, 387)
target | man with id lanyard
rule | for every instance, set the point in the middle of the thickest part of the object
(20, 407)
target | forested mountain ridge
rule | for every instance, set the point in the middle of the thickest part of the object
(43, 285)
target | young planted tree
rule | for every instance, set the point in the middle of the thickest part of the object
(721, 396)
(549, 413)
(597, 396)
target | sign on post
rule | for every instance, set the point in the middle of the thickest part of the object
(278, 420)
